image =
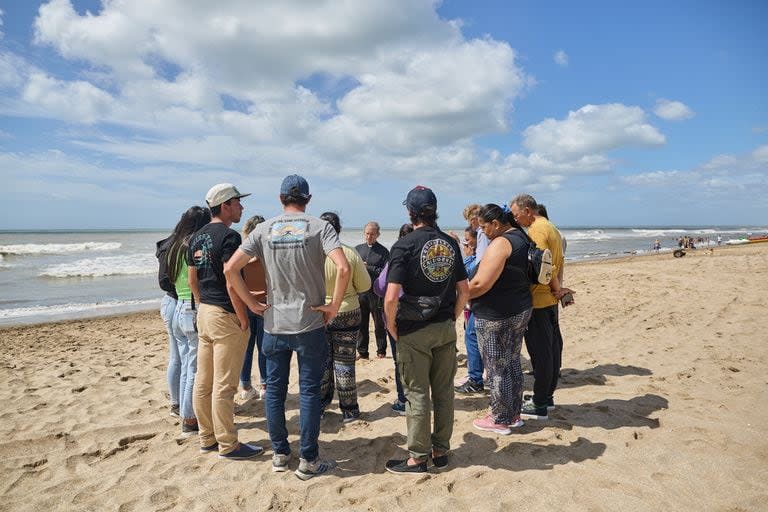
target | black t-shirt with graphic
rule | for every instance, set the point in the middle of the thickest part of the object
(209, 248)
(427, 262)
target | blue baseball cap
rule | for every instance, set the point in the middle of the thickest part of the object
(419, 199)
(295, 185)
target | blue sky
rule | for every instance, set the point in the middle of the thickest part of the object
(122, 114)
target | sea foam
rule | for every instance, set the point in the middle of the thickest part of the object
(126, 265)
(32, 249)
(65, 309)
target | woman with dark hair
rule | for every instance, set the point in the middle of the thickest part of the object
(380, 289)
(184, 321)
(343, 331)
(501, 303)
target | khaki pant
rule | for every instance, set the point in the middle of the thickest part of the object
(427, 361)
(220, 354)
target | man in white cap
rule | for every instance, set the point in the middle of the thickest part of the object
(223, 326)
(293, 247)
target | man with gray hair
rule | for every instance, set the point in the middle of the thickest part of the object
(375, 256)
(542, 340)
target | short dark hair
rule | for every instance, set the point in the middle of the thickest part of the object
(298, 200)
(404, 230)
(542, 210)
(471, 231)
(332, 218)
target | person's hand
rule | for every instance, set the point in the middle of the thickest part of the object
(392, 330)
(258, 307)
(563, 291)
(329, 311)
(243, 320)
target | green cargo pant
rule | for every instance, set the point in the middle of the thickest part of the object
(427, 361)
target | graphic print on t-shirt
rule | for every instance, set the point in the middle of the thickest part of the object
(203, 246)
(437, 260)
(288, 234)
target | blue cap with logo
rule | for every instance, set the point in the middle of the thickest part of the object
(295, 185)
(419, 199)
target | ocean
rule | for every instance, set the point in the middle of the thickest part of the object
(48, 276)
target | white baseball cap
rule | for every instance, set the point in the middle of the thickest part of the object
(222, 193)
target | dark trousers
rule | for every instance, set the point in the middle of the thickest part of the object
(545, 347)
(371, 305)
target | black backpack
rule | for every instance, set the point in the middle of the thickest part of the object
(539, 269)
(163, 279)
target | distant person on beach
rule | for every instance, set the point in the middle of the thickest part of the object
(501, 302)
(222, 326)
(253, 273)
(375, 257)
(184, 317)
(293, 247)
(426, 266)
(380, 289)
(542, 340)
(343, 332)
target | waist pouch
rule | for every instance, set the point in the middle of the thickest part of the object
(418, 307)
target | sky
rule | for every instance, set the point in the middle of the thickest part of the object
(123, 113)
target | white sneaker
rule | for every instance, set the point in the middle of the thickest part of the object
(312, 469)
(280, 462)
(247, 394)
(262, 392)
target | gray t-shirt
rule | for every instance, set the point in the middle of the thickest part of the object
(293, 247)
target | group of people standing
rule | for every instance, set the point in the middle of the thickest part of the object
(291, 286)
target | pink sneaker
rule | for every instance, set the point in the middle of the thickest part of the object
(489, 425)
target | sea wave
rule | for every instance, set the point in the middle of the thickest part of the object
(593, 234)
(126, 265)
(32, 249)
(65, 309)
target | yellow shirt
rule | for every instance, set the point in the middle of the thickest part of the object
(546, 236)
(359, 282)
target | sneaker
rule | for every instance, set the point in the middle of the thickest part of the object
(399, 407)
(401, 467)
(381, 356)
(362, 356)
(459, 382)
(349, 416)
(280, 462)
(487, 424)
(470, 387)
(243, 452)
(247, 394)
(531, 411)
(175, 411)
(440, 462)
(550, 401)
(307, 470)
(262, 392)
(210, 449)
(188, 430)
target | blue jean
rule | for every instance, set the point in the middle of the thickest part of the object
(255, 340)
(474, 360)
(312, 350)
(398, 382)
(167, 308)
(186, 340)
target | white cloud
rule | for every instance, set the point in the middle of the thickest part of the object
(720, 175)
(591, 130)
(672, 110)
(561, 58)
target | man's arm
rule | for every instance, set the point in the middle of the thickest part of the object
(194, 284)
(391, 300)
(342, 279)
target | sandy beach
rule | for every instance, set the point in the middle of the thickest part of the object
(662, 405)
